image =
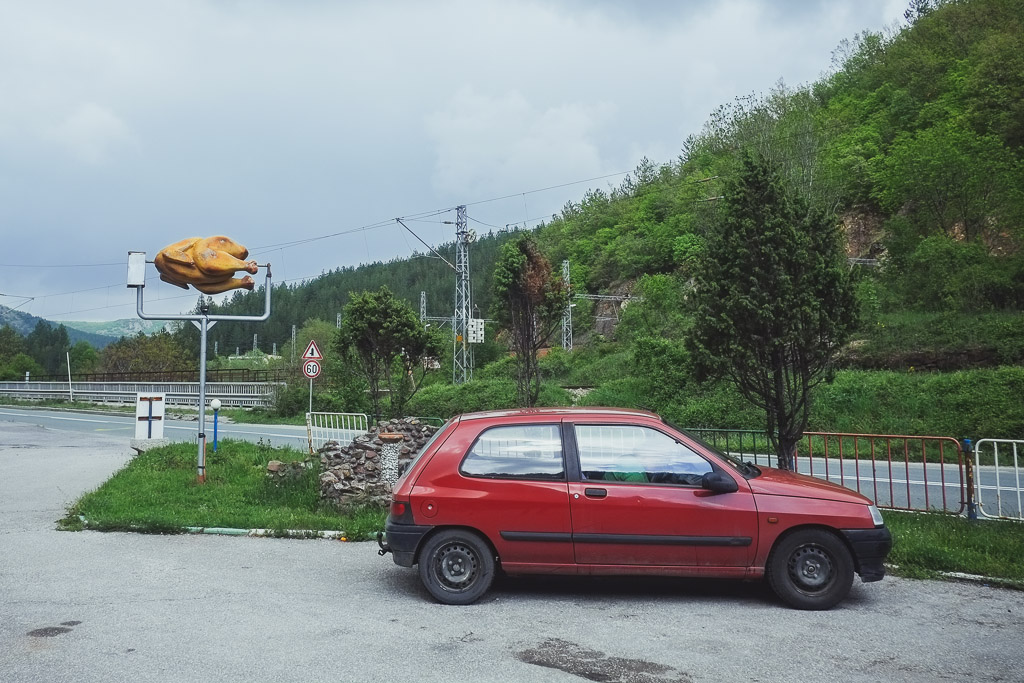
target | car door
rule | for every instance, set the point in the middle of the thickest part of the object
(637, 500)
(510, 485)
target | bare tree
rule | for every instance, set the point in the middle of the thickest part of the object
(529, 302)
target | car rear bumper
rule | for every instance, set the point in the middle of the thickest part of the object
(402, 540)
(870, 548)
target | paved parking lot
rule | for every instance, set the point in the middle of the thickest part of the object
(91, 606)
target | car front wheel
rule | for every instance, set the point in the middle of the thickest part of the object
(811, 569)
(457, 567)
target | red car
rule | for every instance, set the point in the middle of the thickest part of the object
(601, 491)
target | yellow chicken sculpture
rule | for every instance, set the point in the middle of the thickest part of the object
(207, 264)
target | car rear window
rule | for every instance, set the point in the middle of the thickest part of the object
(517, 452)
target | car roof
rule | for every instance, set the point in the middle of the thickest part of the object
(588, 411)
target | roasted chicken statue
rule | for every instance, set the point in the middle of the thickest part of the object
(207, 264)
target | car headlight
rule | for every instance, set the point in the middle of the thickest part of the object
(876, 516)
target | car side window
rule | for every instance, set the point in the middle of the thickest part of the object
(517, 452)
(637, 454)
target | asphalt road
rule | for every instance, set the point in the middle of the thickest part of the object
(913, 486)
(92, 606)
(123, 425)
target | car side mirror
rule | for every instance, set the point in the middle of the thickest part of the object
(719, 482)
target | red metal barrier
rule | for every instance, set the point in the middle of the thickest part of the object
(917, 472)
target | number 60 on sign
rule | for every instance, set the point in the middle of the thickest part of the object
(311, 369)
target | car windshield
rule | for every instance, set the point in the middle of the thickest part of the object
(747, 469)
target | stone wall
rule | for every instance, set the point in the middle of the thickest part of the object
(365, 470)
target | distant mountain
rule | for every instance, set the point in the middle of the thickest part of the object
(126, 327)
(23, 323)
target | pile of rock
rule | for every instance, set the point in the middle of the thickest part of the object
(366, 470)
(291, 471)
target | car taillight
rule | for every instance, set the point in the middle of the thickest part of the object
(401, 512)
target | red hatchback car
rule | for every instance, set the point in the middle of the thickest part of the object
(601, 491)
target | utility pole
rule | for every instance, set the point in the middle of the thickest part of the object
(339, 321)
(423, 306)
(462, 367)
(293, 344)
(567, 314)
(254, 347)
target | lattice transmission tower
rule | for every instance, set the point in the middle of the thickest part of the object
(462, 368)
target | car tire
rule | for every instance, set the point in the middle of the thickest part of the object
(810, 569)
(456, 566)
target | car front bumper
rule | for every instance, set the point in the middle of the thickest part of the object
(870, 548)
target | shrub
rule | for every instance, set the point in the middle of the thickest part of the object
(445, 400)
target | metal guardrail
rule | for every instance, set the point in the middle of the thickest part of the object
(231, 394)
(340, 427)
(997, 474)
(192, 375)
(900, 472)
(895, 471)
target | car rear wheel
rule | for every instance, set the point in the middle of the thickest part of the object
(457, 567)
(811, 569)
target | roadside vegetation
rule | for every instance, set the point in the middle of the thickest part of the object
(157, 492)
(927, 544)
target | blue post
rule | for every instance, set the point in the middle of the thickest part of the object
(215, 411)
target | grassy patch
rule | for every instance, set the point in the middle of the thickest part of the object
(157, 492)
(948, 341)
(926, 544)
(259, 417)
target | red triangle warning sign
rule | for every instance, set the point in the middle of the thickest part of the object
(312, 352)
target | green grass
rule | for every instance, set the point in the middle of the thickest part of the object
(950, 341)
(260, 417)
(157, 492)
(926, 544)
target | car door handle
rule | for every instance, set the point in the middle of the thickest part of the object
(595, 493)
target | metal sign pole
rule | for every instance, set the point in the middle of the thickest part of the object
(204, 327)
(204, 321)
(71, 392)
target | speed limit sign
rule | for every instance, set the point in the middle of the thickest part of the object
(311, 368)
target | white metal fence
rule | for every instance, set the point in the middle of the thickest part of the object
(340, 427)
(231, 394)
(997, 477)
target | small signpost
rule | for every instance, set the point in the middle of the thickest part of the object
(149, 416)
(311, 358)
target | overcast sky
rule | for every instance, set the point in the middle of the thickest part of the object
(127, 125)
